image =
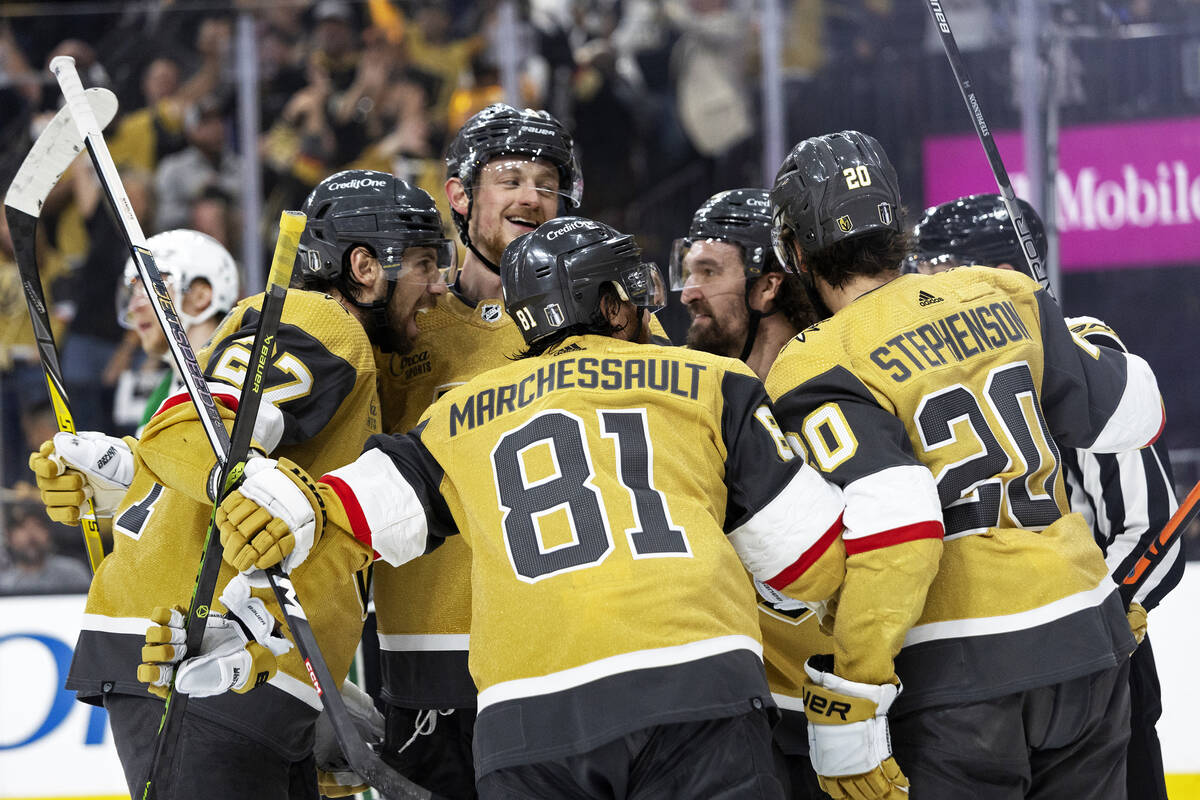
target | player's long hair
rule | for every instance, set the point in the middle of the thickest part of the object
(868, 255)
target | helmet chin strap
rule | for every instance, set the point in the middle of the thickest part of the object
(462, 223)
(378, 324)
(814, 296)
(754, 316)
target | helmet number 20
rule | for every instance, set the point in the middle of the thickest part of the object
(856, 177)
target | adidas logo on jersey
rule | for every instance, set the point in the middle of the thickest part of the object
(926, 299)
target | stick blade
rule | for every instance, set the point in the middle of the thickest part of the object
(53, 152)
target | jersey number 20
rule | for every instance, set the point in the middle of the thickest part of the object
(972, 490)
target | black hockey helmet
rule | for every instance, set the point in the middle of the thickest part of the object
(501, 130)
(830, 188)
(551, 277)
(738, 216)
(384, 214)
(373, 209)
(973, 230)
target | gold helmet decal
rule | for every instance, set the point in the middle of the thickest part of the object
(845, 224)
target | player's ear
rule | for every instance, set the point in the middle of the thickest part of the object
(456, 195)
(765, 290)
(198, 296)
(363, 266)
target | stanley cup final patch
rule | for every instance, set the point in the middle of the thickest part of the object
(885, 213)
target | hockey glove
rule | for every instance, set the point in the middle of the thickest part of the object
(1137, 621)
(274, 517)
(238, 652)
(848, 738)
(334, 776)
(75, 466)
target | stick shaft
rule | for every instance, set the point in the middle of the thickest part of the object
(209, 571)
(1034, 266)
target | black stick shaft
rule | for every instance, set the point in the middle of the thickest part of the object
(1034, 266)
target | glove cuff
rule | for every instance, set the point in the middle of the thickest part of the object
(847, 721)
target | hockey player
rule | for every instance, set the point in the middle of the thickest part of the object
(932, 400)
(1127, 498)
(208, 276)
(507, 171)
(743, 305)
(614, 640)
(374, 243)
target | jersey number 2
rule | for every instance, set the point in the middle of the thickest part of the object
(523, 501)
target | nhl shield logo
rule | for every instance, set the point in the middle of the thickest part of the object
(845, 224)
(554, 315)
(885, 213)
(490, 312)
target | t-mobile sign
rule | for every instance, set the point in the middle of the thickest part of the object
(1127, 194)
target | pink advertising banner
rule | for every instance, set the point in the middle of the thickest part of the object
(1127, 194)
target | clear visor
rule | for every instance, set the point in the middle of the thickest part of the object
(520, 173)
(702, 273)
(131, 294)
(431, 262)
(930, 265)
(643, 285)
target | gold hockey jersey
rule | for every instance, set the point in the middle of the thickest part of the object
(610, 493)
(939, 399)
(322, 379)
(423, 608)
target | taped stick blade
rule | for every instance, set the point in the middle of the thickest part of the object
(53, 152)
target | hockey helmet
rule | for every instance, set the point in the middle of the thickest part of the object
(972, 230)
(551, 278)
(183, 256)
(501, 130)
(739, 216)
(376, 210)
(830, 188)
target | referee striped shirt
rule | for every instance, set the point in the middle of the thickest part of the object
(1126, 498)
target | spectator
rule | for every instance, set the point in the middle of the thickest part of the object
(34, 567)
(145, 136)
(206, 162)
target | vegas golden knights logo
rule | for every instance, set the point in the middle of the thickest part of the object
(845, 224)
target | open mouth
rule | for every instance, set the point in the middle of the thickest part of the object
(522, 222)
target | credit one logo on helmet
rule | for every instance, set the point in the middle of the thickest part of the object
(571, 226)
(756, 201)
(358, 183)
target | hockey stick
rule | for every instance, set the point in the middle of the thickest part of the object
(368, 762)
(47, 160)
(1033, 259)
(291, 225)
(1154, 553)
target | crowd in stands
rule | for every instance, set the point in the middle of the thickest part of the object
(650, 88)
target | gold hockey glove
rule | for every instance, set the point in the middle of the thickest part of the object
(76, 466)
(848, 738)
(274, 517)
(1137, 621)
